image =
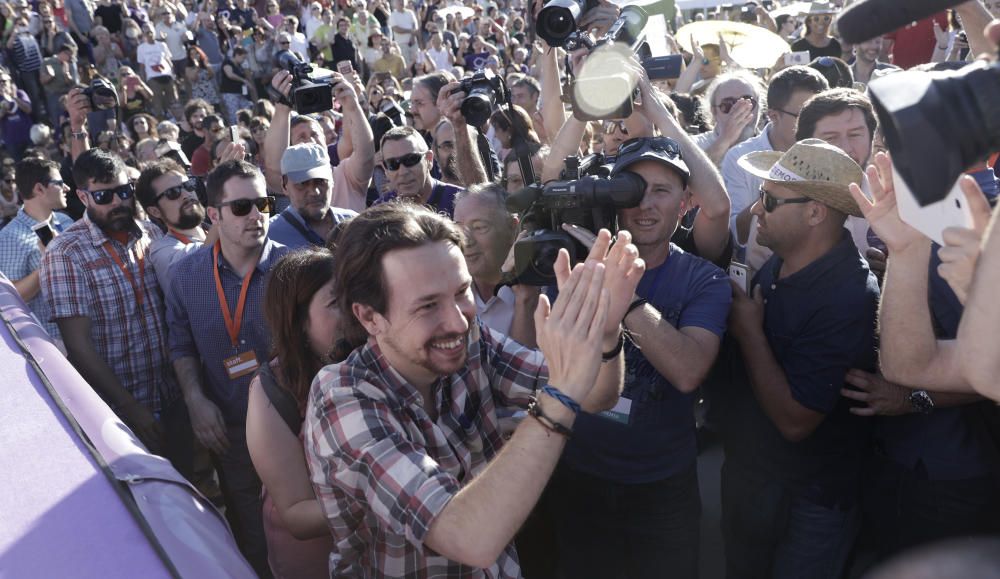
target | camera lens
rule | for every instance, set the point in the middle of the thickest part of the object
(557, 20)
(476, 108)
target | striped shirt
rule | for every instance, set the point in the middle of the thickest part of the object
(27, 55)
(80, 278)
(383, 470)
(20, 257)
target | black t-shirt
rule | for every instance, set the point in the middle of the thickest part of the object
(189, 143)
(111, 17)
(832, 49)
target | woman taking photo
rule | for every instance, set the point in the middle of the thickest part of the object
(303, 319)
(134, 95)
(200, 77)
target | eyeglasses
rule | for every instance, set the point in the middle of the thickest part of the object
(770, 202)
(660, 144)
(241, 207)
(56, 182)
(104, 196)
(821, 18)
(174, 193)
(609, 127)
(727, 104)
(408, 160)
(793, 115)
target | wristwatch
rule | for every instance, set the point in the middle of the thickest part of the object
(80, 136)
(921, 401)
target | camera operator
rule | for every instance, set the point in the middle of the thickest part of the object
(353, 174)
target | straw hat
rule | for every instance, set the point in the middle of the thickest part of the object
(812, 168)
(821, 8)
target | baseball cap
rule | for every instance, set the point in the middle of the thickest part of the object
(662, 149)
(304, 162)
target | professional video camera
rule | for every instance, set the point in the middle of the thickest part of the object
(585, 196)
(937, 124)
(309, 95)
(602, 89)
(102, 94)
(482, 89)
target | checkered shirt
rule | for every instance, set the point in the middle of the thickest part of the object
(79, 278)
(20, 256)
(383, 470)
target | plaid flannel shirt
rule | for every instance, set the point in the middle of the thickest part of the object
(383, 470)
(80, 279)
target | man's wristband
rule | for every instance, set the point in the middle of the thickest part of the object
(638, 303)
(80, 135)
(535, 411)
(562, 398)
(608, 356)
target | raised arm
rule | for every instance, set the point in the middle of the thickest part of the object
(469, 163)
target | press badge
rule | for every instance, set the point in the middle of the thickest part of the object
(621, 411)
(240, 365)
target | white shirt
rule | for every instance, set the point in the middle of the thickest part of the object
(404, 19)
(439, 57)
(299, 44)
(154, 55)
(175, 36)
(497, 312)
(743, 187)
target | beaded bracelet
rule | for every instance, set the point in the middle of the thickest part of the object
(535, 410)
(564, 399)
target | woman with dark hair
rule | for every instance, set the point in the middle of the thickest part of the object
(817, 39)
(200, 76)
(510, 125)
(142, 126)
(304, 321)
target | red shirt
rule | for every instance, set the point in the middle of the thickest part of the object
(201, 161)
(914, 44)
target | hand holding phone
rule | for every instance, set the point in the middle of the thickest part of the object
(345, 67)
(234, 134)
(800, 57)
(740, 274)
(44, 233)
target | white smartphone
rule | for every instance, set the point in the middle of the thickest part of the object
(933, 219)
(741, 275)
(798, 57)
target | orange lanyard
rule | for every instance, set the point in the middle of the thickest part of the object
(180, 236)
(232, 326)
(136, 289)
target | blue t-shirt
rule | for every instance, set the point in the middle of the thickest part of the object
(289, 229)
(819, 323)
(656, 439)
(442, 197)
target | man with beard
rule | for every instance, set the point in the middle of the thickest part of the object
(407, 161)
(194, 113)
(866, 60)
(306, 176)
(402, 438)
(107, 304)
(444, 151)
(218, 336)
(170, 196)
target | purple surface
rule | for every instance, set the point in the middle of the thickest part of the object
(59, 514)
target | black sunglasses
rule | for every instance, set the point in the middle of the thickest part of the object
(104, 196)
(176, 191)
(57, 182)
(241, 207)
(727, 104)
(661, 144)
(408, 160)
(770, 202)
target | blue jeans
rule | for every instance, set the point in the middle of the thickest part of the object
(609, 530)
(770, 531)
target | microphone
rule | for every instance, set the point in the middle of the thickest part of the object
(866, 20)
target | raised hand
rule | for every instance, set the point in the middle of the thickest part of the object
(881, 211)
(960, 253)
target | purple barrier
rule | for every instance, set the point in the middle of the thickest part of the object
(81, 496)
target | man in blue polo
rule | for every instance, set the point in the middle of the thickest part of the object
(794, 450)
(631, 471)
(21, 248)
(307, 181)
(407, 161)
(218, 337)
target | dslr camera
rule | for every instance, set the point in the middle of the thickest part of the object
(585, 196)
(309, 95)
(102, 94)
(482, 89)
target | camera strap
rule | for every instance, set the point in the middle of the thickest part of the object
(520, 144)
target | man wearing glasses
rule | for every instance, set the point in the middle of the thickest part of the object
(21, 247)
(793, 448)
(407, 161)
(786, 93)
(107, 301)
(218, 337)
(170, 196)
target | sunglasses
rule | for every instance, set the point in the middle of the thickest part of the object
(660, 144)
(770, 202)
(56, 182)
(609, 127)
(176, 191)
(406, 160)
(823, 18)
(727, 104)
(241, 207)
(104, 196)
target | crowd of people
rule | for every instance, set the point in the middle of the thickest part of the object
(332, 322)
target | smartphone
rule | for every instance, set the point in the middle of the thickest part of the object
(741, 275)
(344, 67)
(663, 67)
(933, 219)
(234, 134)
(798, 57)
(44, 232)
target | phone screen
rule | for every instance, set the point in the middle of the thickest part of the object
(663, 67)
(234, 134)
(44, 233)
(344, 67)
